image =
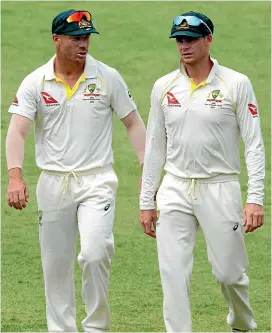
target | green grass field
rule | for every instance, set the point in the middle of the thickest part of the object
(133, 39)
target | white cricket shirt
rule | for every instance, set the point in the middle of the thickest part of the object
(73, 134)
(195, 134)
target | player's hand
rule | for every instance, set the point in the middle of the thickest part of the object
(148, 220)
(253, 217)
(17, 193)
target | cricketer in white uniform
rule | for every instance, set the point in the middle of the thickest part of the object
(197, 115)
(71, 100)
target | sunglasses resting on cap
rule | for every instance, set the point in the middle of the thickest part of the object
(191, 24)
(190, 20)
(78, 16)
(73, 22)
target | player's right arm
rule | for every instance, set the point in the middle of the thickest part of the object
(23, 112)
(17, 192)
(154, 160)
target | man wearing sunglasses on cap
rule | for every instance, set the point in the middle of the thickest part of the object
(71, 100)
(197, 115)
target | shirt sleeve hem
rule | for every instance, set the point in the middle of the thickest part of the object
(24, 114)
(147, 207)
(255, 201)
(126, 113)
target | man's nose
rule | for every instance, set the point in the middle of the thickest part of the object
(184, 45)
(83, 43)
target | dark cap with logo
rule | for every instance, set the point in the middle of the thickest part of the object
(198, 25)
(73, 22)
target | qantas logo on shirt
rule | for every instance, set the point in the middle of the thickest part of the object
(15, 101)
(49, 100)
(253, 110)
(172, 101)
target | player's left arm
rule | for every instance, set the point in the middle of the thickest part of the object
(125, 108)
(137, 133)
(250, 129)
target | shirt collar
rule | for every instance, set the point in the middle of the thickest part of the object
(90, 70)
(49, 69)
(213, 71)
(211, 75)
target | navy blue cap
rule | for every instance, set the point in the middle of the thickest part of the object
(60, 25)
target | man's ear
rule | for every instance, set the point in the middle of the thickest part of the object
(56, 39)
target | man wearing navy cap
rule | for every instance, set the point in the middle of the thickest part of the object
(198, 113)
(71, 100)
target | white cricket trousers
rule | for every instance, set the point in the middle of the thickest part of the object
(216, 205)
(69, 203)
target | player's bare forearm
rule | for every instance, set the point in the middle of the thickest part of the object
(137, 133)
(18, 128)
(15, 173)
(17, 192)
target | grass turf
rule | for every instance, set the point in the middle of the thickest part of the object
(133, 39)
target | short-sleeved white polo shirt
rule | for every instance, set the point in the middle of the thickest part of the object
(73, 134)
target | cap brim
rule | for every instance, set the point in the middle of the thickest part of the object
(186, 33)
(78, 32)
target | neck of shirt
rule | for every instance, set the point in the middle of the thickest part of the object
(71, 90)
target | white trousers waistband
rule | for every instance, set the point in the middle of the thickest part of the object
(215, 179)
(76, 174)
(194, 181)
(93, 171)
